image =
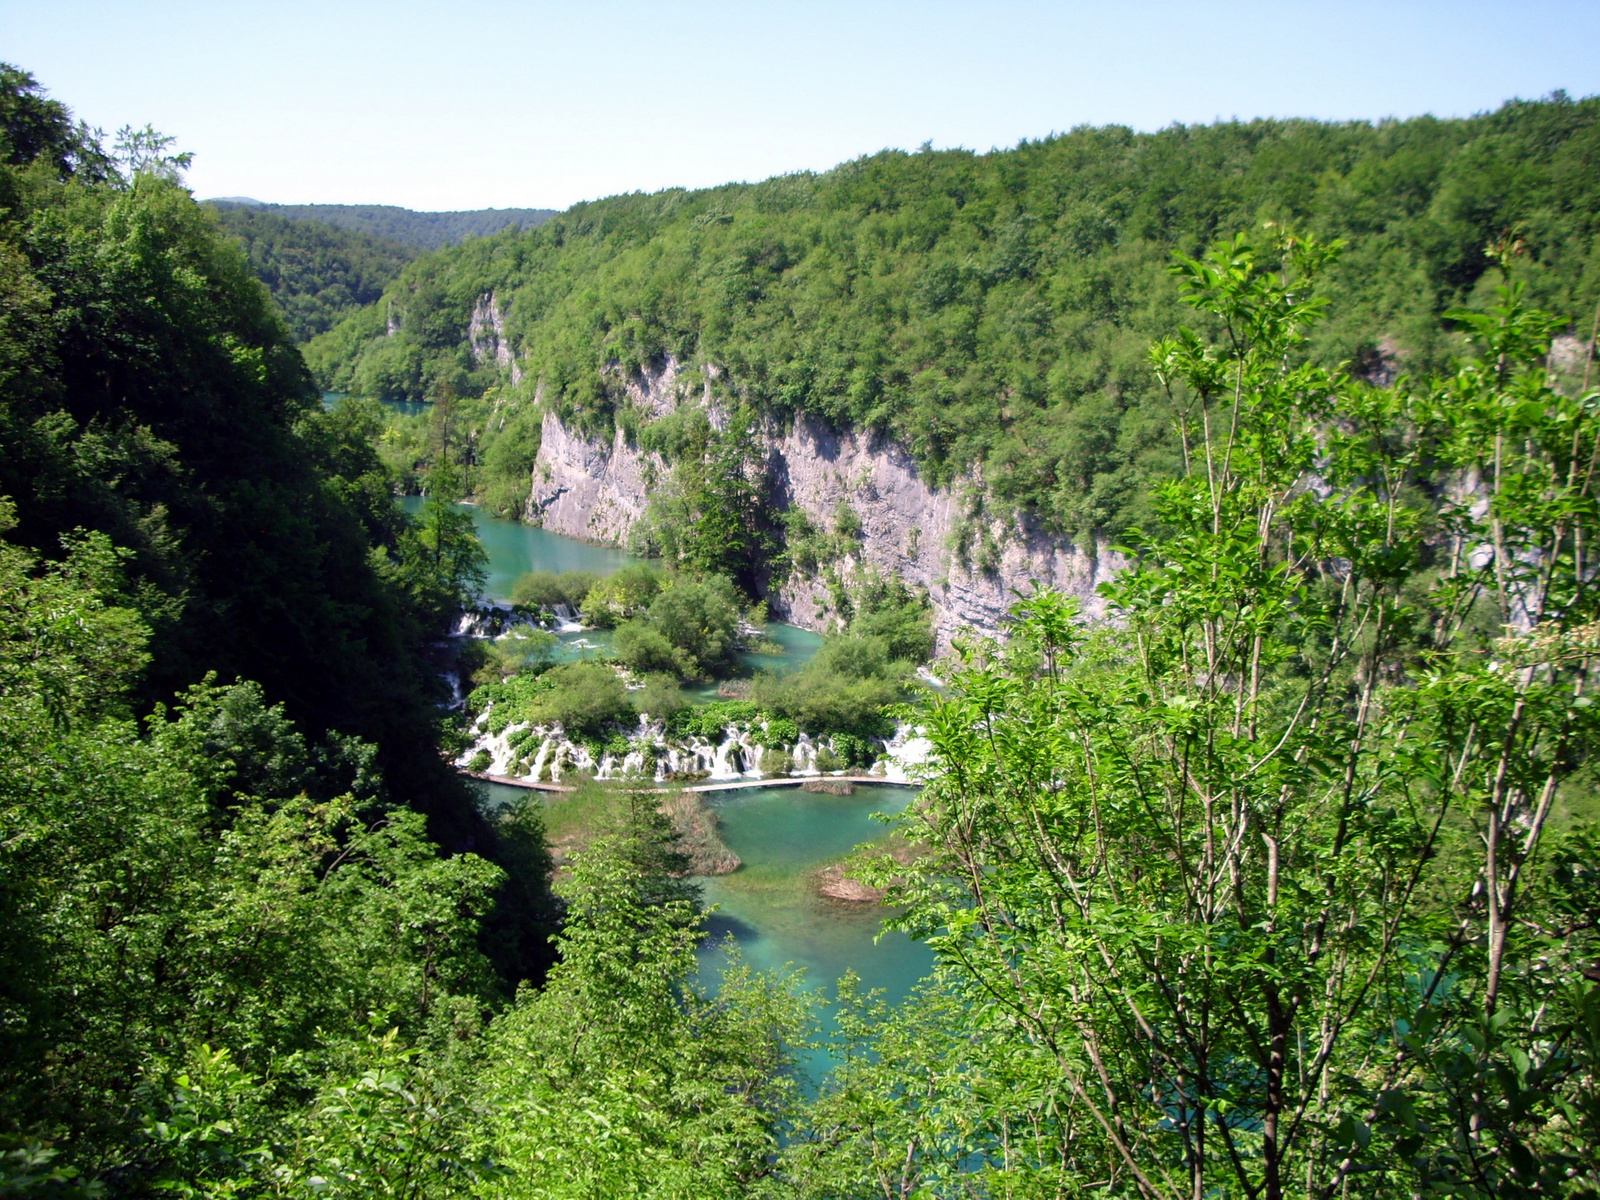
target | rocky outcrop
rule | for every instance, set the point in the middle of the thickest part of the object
(920, 534)
(590, 490)
(486, 336)
(970, 566)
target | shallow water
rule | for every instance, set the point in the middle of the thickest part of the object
(514, 549)
(771, 906)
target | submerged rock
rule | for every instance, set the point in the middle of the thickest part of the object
(833, 883)
(832, 787)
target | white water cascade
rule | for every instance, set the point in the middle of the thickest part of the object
(566, 620)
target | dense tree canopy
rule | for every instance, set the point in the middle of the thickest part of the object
(419, 230)
(317, 273)
(988, 310)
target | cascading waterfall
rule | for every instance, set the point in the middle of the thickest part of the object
(566, 620)
(905, 752)
(804, 756)
(737, 756)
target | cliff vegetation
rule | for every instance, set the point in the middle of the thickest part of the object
(988, 311)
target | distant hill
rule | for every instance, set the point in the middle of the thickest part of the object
(423, 230)
(315, 271)
(992, 313)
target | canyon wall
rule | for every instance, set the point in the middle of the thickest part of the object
(598, 491)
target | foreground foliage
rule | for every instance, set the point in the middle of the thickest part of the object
(1264, 885)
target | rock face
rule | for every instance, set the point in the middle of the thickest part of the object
(910, 530)
(589, 490)
(914, 532)
(486, 336)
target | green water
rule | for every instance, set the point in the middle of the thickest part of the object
(771, 906)
(406, 408)
(515, 549)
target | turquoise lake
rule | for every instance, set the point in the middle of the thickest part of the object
(770, 906)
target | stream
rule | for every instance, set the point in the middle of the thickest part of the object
(784, 835)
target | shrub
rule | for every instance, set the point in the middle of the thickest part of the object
(645, 648)
(701, 619)
(822, 701)
(779, 731)
(618, 597)
(855, 751)
(584, 697)
(481, 762)
(712, 720)
(545, 590)
(661, 698)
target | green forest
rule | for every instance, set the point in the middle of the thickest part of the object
(317, 273)
(988, 311)
(1284, 881)
(420, 230)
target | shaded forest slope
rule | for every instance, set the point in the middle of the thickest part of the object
(317, 273)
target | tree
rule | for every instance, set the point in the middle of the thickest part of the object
(1196, 860)
(621, 1079)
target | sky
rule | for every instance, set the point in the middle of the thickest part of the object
(506, 104)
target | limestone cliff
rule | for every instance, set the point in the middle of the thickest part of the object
(486, 336)
(598, 491)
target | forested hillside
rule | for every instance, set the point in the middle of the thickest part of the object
(989, 311)
(1280, 883)
(222, 799)
(422, 230)
(317, 273)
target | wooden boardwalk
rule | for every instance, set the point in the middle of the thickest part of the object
(723, 786)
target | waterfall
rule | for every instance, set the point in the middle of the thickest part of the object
(805, 757)
(566, 620)
(905, 753)
(537, 765)
(453, 678)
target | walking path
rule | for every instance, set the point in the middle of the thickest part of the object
(777, 781)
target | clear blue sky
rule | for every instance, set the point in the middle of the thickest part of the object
(471, 105)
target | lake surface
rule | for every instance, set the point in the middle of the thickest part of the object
(514, 549)
(406, 408)
(771, 905)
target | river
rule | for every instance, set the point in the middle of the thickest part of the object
(770, 905)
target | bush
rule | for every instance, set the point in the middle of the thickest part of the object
(481, 762)
(891, 615)
(525, 651)
(584, 697)
(779, 731)
(710, 721)
(821, 701)
(855, 751)
(701, 619)
(618, 597)
(545, 589)
(661, 699)
(644, 648)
